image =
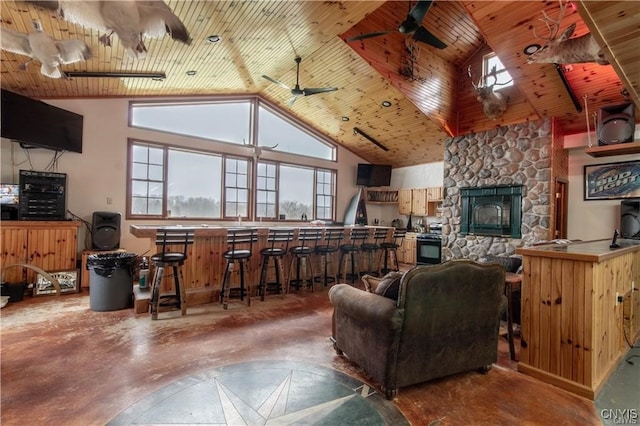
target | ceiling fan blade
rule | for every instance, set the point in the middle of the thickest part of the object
(276, 82)
(292, 100)
(314, 91)
(420, 10)
(423, 35)
(370, 35)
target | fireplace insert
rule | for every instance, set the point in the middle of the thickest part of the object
(492, 211)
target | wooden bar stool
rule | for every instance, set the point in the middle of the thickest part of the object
(390, 251)
(170, 257)
(326, 251)
(278, 240)
(240, 244)
(349, 252)
(371, 248)
(307, 240)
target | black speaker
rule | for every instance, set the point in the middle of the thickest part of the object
(630, 219)
(105, 232)
(616, 124)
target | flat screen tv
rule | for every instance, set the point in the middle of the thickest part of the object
(373, 175)
(34, 123)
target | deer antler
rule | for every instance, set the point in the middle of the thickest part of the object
(553, 25)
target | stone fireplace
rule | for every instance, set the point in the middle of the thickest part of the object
(525, 157)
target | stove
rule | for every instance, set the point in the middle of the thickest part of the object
(429, 236)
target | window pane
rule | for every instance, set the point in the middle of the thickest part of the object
(275, 130)
(139, 171)
(296, 192)
(193, 184)
(225, 121)
(236, 187)
(155, 172)
(503, 77)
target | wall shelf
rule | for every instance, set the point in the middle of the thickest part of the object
(617, 149)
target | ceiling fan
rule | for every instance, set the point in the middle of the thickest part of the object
(411, 25)
(297, 91)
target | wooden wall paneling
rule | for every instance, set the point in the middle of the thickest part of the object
(555, 319)
(14, 250)
(546, 326)
(536, 302)
(566, 320)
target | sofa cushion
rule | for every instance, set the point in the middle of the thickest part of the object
(510, 263)
(389, 285)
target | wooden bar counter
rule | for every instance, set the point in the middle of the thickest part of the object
(204, 266)
(574, 328)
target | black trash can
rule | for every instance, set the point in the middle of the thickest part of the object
(111, 277)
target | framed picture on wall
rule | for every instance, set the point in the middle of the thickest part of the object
(612, 181)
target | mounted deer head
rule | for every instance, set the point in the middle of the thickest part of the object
(493, 104)
(565, 50)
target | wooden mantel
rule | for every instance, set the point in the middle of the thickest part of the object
(574, 328)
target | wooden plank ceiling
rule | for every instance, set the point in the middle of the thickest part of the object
(430, 94)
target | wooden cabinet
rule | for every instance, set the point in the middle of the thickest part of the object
(404, 201)
(420, 201)
(407, 251)
(49, 245)
(435, 194)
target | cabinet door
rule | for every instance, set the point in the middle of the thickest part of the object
(435, 194)
(14, 250)
(419, 202)
(409, 251)
(404, 201)
(52, 250)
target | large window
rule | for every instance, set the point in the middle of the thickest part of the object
(211, 180)
(171, 182)
(224, 121)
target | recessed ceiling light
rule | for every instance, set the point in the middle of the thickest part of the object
(345, 118)
(531, 49)
(192, 72)
(214, 38)
(386, 104)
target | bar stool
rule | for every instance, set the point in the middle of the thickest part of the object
(278, 244)
(349, 251)
(307, 241)
(390, 250)
(371, 248)
(240, 244)
(331, 239)
(170, 257)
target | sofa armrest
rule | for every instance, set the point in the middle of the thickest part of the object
(368, 308)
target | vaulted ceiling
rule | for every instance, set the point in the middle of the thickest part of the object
(430, 93)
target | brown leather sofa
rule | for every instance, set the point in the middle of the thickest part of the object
(445, 321)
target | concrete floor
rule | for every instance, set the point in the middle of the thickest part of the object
(63, 364)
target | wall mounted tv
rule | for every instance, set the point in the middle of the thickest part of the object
(373, 175)
(34, 123)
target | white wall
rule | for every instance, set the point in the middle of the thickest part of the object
(100, 172)
(595, 219)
